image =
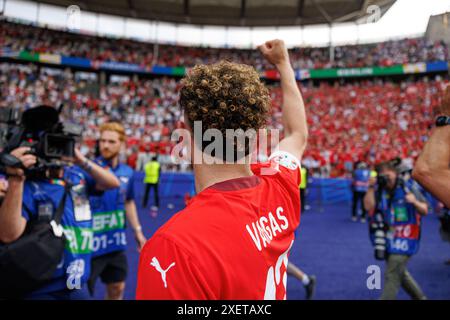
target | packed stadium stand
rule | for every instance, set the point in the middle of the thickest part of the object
(18, 37)
(353, 121)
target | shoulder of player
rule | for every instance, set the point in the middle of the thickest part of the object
(177, 235)
(194, 222)
(186, 232)
(172, 249)
(181, 222)
(163, 237)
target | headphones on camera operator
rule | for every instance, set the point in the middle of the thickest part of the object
(30, 262)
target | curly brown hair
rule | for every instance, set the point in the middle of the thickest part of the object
(223, 96)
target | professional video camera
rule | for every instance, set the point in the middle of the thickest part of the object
(51, 141)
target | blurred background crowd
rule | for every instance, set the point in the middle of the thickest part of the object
(351, 121)
(39, 40)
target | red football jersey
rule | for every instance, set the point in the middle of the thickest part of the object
(232, 241)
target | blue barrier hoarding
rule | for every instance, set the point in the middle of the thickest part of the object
(75, 62)
(437, 66)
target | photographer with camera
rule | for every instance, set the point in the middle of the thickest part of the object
(396, 206)
(45, 218)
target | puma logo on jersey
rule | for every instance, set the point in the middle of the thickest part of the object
(265, 228)
(155, 263)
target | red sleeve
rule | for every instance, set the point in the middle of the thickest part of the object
(167, 272)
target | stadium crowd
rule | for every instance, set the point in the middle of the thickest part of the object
(358, 121)
(18, 37)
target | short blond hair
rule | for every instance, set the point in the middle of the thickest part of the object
(114, 126)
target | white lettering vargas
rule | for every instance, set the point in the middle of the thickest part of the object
(263, 230)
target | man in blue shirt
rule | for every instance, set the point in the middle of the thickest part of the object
(110, 212)
(360, 184)
(27, 200)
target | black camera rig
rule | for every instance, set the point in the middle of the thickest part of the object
(40, 129)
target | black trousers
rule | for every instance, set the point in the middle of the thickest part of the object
(302, 198)
(111, 268)
(358, 197)
(149, 186)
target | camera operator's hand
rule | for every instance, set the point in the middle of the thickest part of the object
(104, 178)
(79, 157)
(275, 52)
(410, 198)
(27, 160)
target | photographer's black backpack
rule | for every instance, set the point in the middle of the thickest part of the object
(29, 262)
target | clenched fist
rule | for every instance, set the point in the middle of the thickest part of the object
(275, 52)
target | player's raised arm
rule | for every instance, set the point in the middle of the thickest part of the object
(432, 168)
(294, 116)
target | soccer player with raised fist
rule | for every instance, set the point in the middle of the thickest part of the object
(233, 239)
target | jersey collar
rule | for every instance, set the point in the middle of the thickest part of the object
(236, 184)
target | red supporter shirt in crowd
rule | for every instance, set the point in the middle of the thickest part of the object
(232, 241)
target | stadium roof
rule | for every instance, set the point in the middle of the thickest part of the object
(235, 12)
